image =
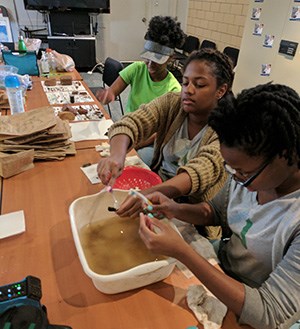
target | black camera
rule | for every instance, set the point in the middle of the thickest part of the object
(20, 306)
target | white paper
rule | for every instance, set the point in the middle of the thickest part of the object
(12, 223)
(91, 173)
(90, 130)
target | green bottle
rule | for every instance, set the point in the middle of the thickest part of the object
(21, 45)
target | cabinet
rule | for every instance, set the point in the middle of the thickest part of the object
(81, 48)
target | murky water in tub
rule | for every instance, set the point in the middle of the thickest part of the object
(114, 245)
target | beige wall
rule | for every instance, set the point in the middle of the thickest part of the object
(221, 21)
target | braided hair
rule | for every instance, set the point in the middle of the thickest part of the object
(261, 121)
(165, 31)
(220, 64)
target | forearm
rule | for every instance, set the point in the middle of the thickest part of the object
(118, 86)
(174, 187)
(226, 289)
(197, 214)
(119, 145)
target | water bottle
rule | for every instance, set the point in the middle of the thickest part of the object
(21, 44)
(51, 61)
(14, 92)
(44, 63)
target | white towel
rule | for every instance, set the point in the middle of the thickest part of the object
(209, 311)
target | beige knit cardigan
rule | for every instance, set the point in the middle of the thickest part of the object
(164, 115)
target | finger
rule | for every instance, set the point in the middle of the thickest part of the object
(105, 98)
(157, 197)
(145, 221)
(111, 181)
(129, 211)
(105, 176)
(100, 93)
(145, 229)
(116, 171)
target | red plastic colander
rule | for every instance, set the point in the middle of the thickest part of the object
(133, 177)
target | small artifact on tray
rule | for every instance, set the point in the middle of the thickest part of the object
(50, 82)
(81, 110)
(68, 108)
(72, 99)
(66, 80)
(66, 115)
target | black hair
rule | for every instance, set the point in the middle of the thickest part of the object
(220, 64)
(261, 121)
(165, 31)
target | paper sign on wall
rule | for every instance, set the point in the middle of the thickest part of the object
(288, 47)
(5, 31)
(269, 40)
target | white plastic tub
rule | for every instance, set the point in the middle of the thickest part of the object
(94, 207)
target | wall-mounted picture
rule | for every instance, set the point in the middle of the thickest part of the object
(258, 28)
(268, 41)
(296, 0)
(295, 15)
(256, 13)
(265, 69)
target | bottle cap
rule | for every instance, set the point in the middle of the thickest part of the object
(12, 81)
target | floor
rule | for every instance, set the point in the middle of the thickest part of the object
(94, 81)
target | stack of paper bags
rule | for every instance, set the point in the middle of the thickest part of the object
(39, 130)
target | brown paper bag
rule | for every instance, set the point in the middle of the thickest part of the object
(13, 164)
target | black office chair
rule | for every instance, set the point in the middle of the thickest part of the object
(111, 70)
(208, 44)
(232, 53)
(191, 43)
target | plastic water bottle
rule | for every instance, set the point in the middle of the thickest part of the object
(44, 63)
(14, 92)
(51, 61)
(21, 44)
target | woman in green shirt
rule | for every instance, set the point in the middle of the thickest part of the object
(151, 78)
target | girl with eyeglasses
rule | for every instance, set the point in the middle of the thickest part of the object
(259, 133)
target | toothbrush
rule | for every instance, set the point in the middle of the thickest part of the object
(135, 194)
(116, 203)
(149, 208)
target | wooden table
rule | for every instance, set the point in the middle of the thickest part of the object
(46, 250)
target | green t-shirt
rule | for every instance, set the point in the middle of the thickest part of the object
(143, 89)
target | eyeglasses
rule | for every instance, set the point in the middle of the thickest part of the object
(249, 180)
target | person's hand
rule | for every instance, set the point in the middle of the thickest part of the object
(105, 95)
(162, 204)
(130, 207)
(109, 169)
(159, 237)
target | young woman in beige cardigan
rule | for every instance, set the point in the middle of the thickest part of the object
(187, 151)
